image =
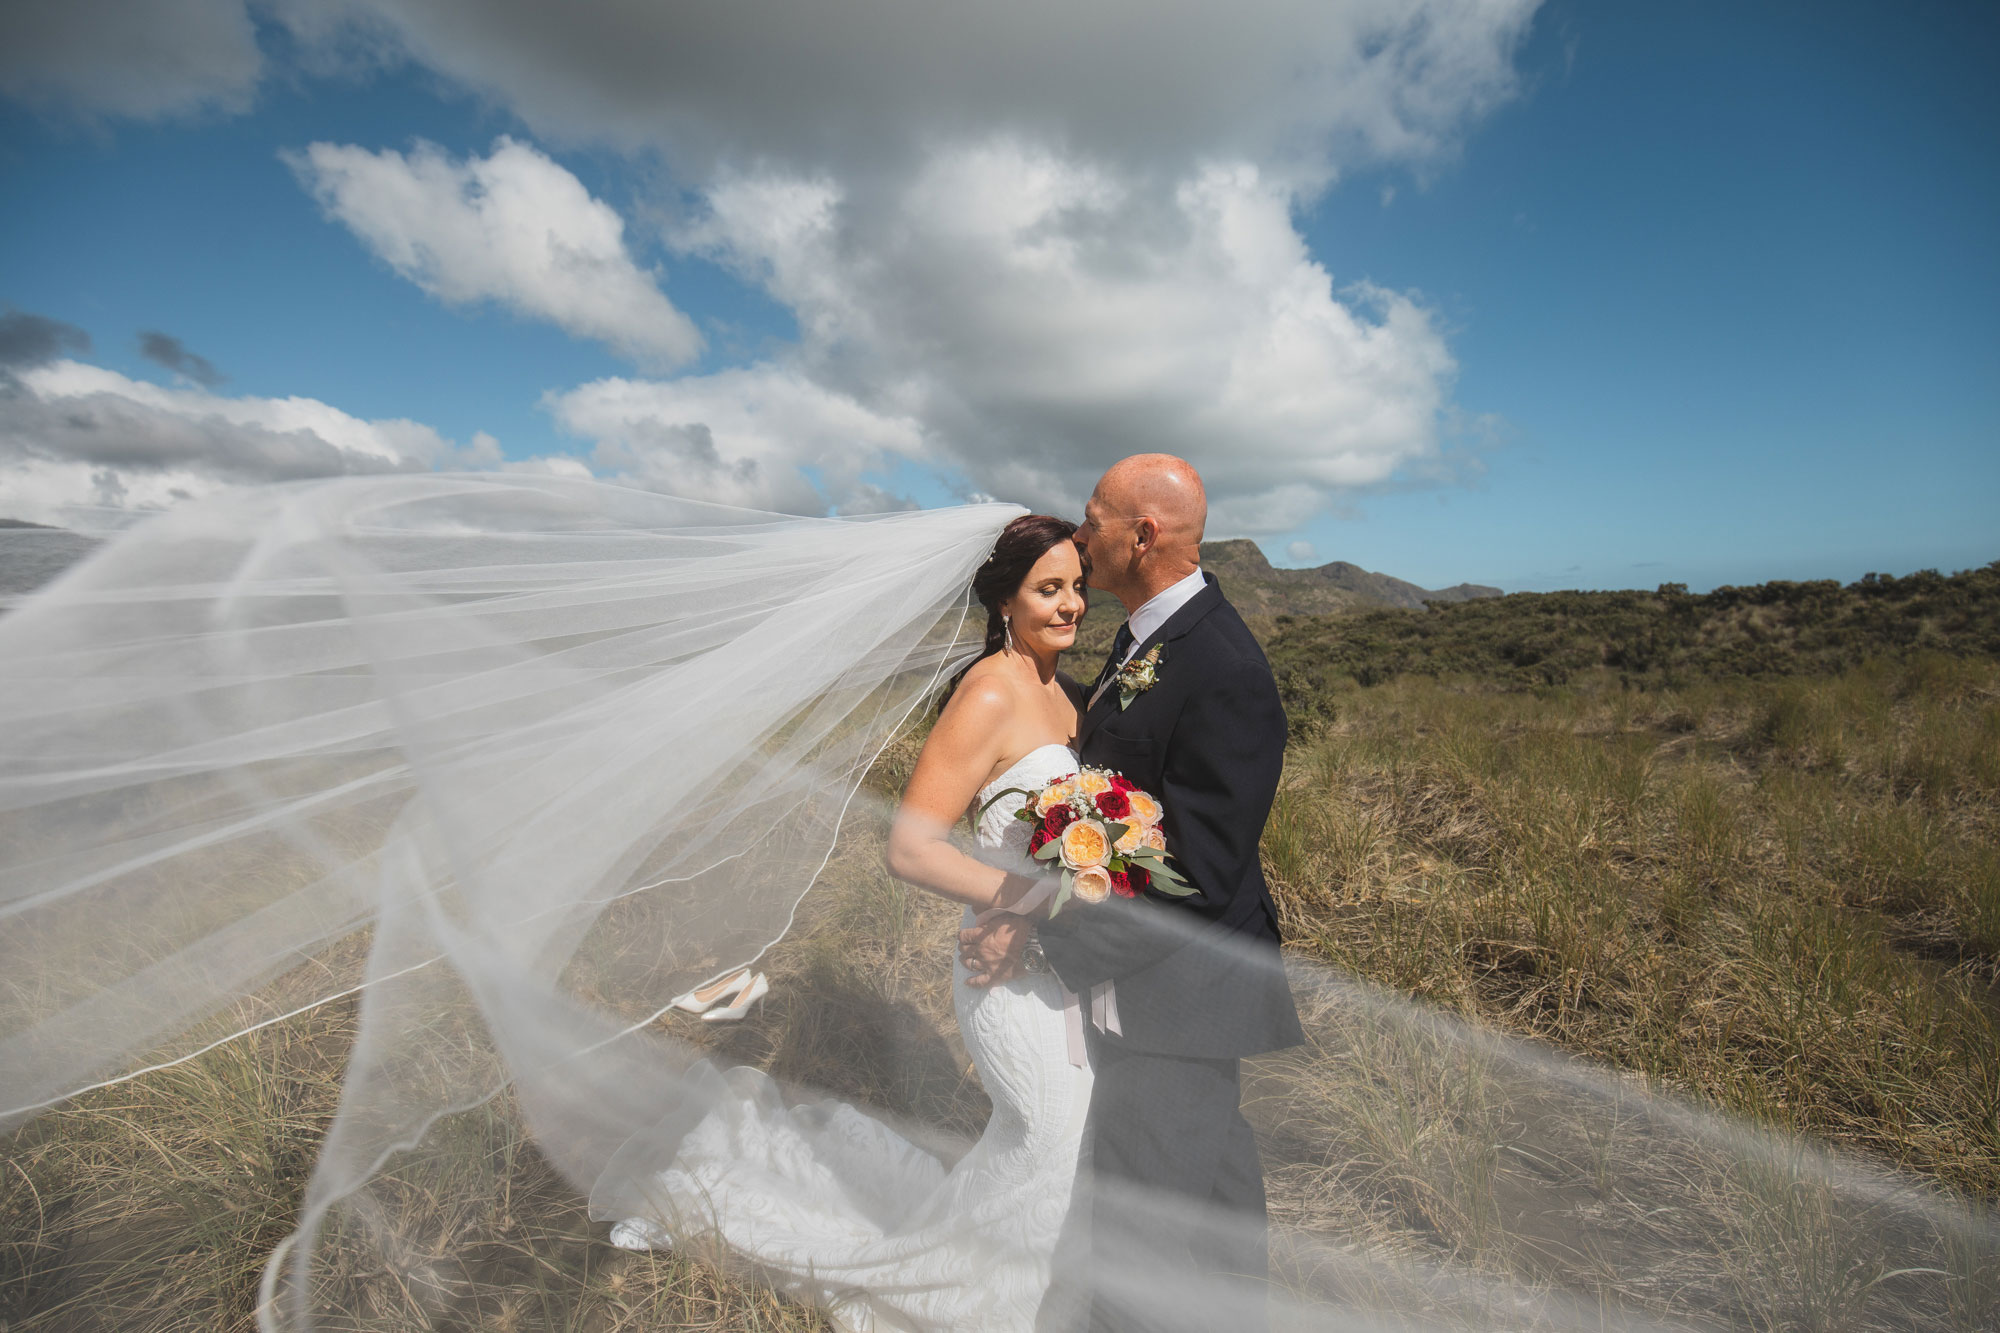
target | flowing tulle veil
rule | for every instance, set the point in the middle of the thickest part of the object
(559, 749)
(517, 759)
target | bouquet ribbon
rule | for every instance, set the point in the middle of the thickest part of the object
(1103, 998)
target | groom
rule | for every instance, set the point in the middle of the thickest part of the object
(1198, 981)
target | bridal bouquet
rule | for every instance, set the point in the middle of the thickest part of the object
(1104, 831)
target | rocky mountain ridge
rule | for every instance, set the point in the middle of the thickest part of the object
(1257, 588)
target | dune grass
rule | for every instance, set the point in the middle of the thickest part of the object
(1779, 898)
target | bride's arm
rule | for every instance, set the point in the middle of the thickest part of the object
(961, 751)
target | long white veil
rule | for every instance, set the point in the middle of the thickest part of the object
(518, 759)
(561, 749)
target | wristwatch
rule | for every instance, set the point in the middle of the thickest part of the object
(1032, 957)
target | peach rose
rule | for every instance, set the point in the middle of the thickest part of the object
(1092, 884)
(1055, 795)
(1134, 838)
(1153, 838)
(1084, 844)
(1145, 810)
(1091, 784)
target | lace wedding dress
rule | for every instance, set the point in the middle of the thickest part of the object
(846, 1212)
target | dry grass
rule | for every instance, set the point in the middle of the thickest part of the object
(1780, 900)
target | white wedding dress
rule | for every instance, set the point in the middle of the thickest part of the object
(846, 1212)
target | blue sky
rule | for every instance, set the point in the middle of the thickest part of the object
(1727, 275)
(1702, 293)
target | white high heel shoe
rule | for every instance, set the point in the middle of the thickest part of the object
(703, 998)
(758, 988)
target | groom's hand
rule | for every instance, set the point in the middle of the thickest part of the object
(992, 952)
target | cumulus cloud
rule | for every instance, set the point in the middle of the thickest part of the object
(760, 437)
(76, 435)
(1300, 552)
(1042, 317)
(165, 350)
(114, 58)
(513, 228)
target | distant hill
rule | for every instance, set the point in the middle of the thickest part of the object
(1262, 594)
(1257, 589)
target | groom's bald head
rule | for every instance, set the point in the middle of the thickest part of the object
(1164, 488)
(1142, 526)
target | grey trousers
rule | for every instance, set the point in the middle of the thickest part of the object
(1178, 1229)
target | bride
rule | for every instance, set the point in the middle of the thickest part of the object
(834, 1204)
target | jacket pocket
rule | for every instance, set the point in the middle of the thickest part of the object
(1137, 757)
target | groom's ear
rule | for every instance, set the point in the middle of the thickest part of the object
(1146, 532)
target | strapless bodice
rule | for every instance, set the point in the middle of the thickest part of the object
(997, 827)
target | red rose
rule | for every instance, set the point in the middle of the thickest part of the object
(1114, 804)
(1058, 819)
(1119, 782)
(1121, 883)
(1141, 880)
(1039, 839)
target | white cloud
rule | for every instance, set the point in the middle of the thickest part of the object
(1042, 317)
(113, 57)
(1300, 553)
(741, 437)
(73, 435)
(512, 227)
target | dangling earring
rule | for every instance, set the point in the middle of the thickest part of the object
(1007, 627)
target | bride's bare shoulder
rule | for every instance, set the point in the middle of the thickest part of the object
(991, 673)
(985, 697)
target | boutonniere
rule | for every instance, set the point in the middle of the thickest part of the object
(1139, 675)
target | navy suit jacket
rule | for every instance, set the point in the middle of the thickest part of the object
(1196, 976)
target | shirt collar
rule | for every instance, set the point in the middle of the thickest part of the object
(1146, 621)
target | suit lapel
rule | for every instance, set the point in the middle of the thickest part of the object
(1179, 623)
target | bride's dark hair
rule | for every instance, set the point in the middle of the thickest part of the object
(1021, 543)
